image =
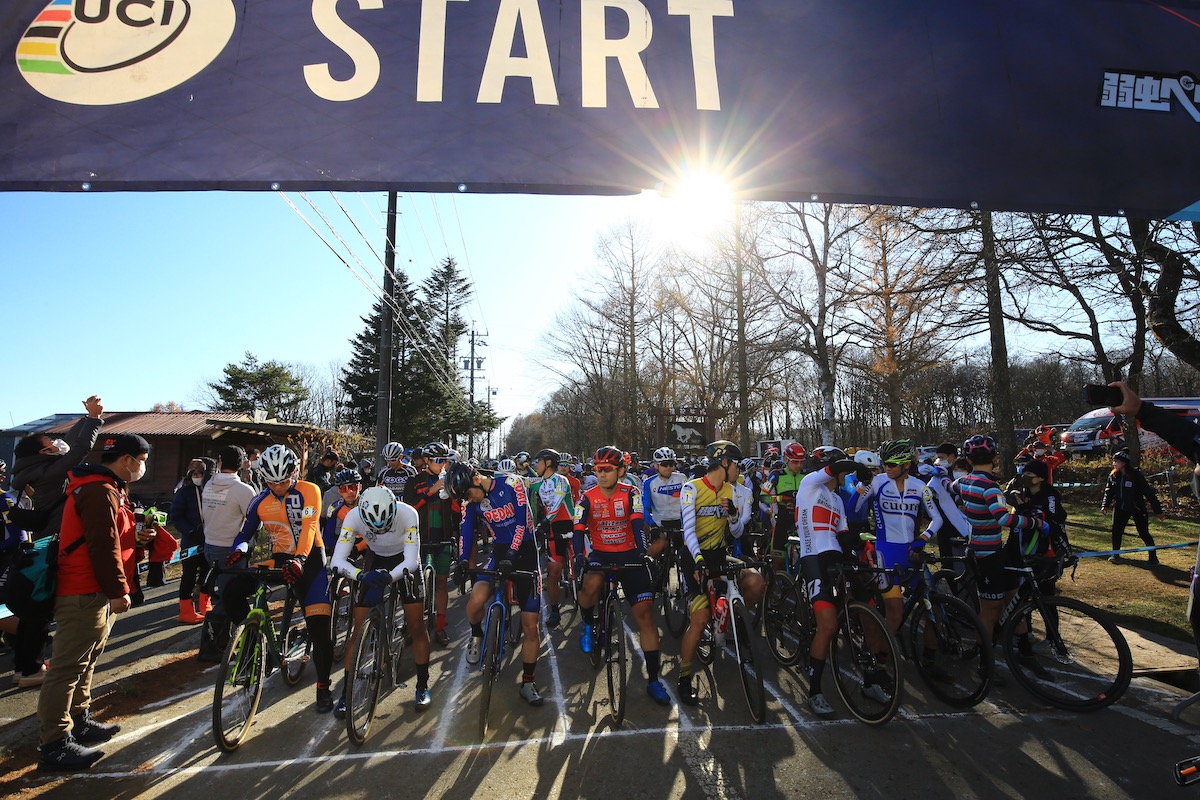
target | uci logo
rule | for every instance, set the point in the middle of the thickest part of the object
(106, 52)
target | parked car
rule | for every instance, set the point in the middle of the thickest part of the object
(1100, 432)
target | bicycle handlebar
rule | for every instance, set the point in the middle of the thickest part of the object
(516, 573)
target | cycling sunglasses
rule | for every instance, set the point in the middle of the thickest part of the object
(605, 468)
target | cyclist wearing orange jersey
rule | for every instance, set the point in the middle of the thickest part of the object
(290, 513)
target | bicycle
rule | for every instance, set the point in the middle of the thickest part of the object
(608, 646)
(496, 625)
(786, 615)
(429, 582)
(253, 653)
(377, 653)
(746, 648)
(671, 588)
(341, 604)
(1080, 660)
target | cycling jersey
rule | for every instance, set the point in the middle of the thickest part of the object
(705, 520)
(896, 511)
(611, 524)
(396, 479)
(335, 519)
(554, 498)
(660, 497)
(438, 515)
(401, 537)
(943, 500)
(820, 515)
(987, 512)
(505, 510)
(292, 522)
(782, 488)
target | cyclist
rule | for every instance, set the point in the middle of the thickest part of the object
(503, 506)
(506, 466)
(524, 468)
(706, 506)
(660, 499)
(987, 512)
(398, 474)
(820, 519)
(348, 484)
(556, 508)
(438, 515)
(289, 511)
(393, 554)
(781, 487)
(953, 524)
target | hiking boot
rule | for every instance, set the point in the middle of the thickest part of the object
(658, 692)
(687, 692)
(586, 635)
(88, 731)
(553, 618)
(67, 755)
(187, 613)
(820, 706)
(529, 694)
(423, 700)
(473, 650)
(324, 700)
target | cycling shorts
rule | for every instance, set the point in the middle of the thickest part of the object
(817, 571)
(411, 591)
(558, 543)
(443, 557)
(637, 584)
(892, 554)
(995, 580)
(526, 592)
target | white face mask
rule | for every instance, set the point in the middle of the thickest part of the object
(198, 481)
(62, 447)
(141, 471)
(253, 463)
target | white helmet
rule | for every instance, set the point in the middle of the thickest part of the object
(277, 464)
(868, 459)
(506, 467)
(377, 507)
(392, 451)
(664, 454)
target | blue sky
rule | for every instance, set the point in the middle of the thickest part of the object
(141, 297)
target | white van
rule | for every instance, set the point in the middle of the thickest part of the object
(1099, 432)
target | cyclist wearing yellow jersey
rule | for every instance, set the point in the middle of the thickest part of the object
(290, 512)
(708, 507)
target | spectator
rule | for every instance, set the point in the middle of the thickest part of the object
(39, 471)
(185, 514)
(92, 587)
(249, 472)
(223, 503)
(323, 471)
(1128, 492)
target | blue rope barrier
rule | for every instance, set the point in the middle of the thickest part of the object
(1135, 550)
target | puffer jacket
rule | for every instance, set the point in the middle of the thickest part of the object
(47, 475)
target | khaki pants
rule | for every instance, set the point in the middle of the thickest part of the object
(83, 623)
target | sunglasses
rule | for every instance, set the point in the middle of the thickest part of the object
(439, 460)
(346, 487)
(604, 469)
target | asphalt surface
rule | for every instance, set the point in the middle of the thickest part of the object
(1008, 746)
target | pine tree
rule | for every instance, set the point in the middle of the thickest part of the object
(271, 387)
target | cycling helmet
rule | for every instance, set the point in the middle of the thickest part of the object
(506, 466)
(417, 452)
(1122, 455)
(898, 451)
(748, 465)
(454, 456)
(795, 452)
(722, 449)
(626, 459)
(826, 456)
(377, 507)
(436, 450)
(633, 456)
(979, 447)
(277, 464)
(663, 454)
(347, 476)
(392, 451)
(459, 478)
(609, 455)
(553, 456)
(522, 457)
(868, 459)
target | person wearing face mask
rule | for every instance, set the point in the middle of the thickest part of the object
(98, 526)
(39, 472)
(1040, 447)
(250, 473)
(187, 517)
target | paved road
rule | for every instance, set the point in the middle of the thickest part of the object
(1008, 746)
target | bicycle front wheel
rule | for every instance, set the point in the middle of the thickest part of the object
(364, 679)
(788, 621)
(959, 671)
(617, 661)
(490, 667)
(297, 649)
(675, 601)
(239, 686)
(340, 620)
(430, 587)
(1079, 658)
(750, 658)
(866, 669)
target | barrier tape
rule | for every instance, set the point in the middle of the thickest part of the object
(1134, 550)
(179, 555)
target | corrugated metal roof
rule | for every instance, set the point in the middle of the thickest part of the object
(158, 423)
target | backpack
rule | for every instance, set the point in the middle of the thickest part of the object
(29, 584)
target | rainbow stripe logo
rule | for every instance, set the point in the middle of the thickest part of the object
(107, 52)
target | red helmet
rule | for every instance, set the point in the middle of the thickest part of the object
(609, 455)
(795, 452)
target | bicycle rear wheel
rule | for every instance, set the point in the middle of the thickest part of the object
(296, 649)
(617, 661)
(866, 669)
(1080, 659)
(239, 686)
(750, 658)
(962, 586)
(430, 587)
(341, 618)
(788, 622)
(675, 601)
(490, 665)
(364, 679)
(960, 671)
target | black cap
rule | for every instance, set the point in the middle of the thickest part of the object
(947, 447)
(330, 455)
(231, 457)
(124, 444)
(1038, 468)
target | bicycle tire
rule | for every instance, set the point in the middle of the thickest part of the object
(960, 673)
(399, 635)
(490, 664)
(364, 679)
(1085, 667)
(962, 586)
(706, 648)
(429, 578)
(855, 664)
(617, 662)
(675, 601)
(748, 650)
(341, 599)
(296, 648)
(788, 622)
(239, 686)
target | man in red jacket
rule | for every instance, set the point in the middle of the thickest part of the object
(92, 587)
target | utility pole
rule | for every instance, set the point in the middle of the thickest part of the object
(471, 364)
(383, 395)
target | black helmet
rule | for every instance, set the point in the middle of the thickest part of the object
(896, 451)
(347, 476)
(436, 450)
(459, 478)
(553, 456)
(822, 457)
(723, 448)
(979, 449)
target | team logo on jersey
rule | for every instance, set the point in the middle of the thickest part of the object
(107, 52)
